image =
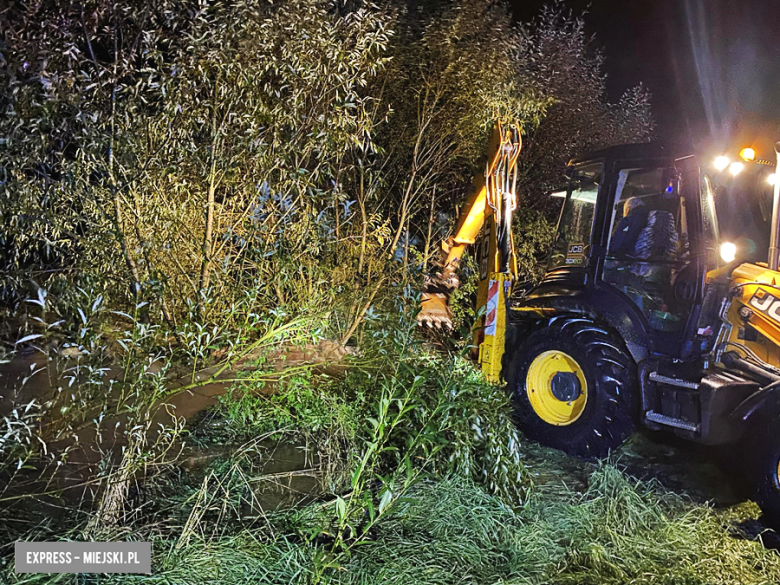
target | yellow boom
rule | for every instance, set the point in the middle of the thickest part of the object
(491, 208)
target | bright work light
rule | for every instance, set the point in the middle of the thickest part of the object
(736, 168)
(721, 162)
(747, 154)
(728, 251)
(771, 179)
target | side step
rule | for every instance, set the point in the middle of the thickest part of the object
(669, 421)
(656, 377)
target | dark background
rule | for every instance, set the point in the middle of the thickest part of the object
(712, 66)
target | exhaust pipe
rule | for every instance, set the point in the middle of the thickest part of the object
(774, 240)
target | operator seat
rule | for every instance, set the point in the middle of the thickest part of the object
(658, 239)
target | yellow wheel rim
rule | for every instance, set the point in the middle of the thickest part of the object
(539, 387)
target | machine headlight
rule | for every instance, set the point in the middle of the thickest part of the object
(736, 168)
(747, 154)
(721, 162)
(771, 179)
(728, 251)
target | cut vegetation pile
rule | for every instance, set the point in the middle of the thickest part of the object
(419, 480)
(451, 531)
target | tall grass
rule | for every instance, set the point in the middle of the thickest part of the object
(618, 531)
(451, 531)
(432, 491)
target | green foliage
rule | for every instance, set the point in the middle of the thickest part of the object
(328, 417)
(618, 531)
(533, 235)
(298, 404)
(463, 300)
(455, 70)
(562, 65)
(400, 406)
(473, 422)
(182, 185)
(183, 155)
(102, 390)
(426, 416)
(436, 412)
(20, 440)
(399, 415)
(451, 531)
(110, 387)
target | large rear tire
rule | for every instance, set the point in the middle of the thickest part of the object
(573, 386)
(760, 454)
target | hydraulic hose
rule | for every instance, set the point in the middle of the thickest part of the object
(732, 359)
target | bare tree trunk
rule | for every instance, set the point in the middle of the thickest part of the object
(430, 231)
(404, 211)
(424, 119)
(111, 509)
(364, 218)
(406, 249)
(338, 227)
(359, 317)
(150, 268)
(208, 234)
(132, 268)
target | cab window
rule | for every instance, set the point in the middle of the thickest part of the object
(648, 246)
(648, 218)
(576, 224)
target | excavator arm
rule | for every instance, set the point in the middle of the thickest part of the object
(492, 203)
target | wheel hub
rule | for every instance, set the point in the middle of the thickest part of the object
(565, 386)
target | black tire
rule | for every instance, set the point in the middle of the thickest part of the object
(761, 455)
(608, 416)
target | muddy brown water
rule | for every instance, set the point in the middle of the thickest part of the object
(288, 472)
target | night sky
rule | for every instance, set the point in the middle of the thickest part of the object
(713, 66)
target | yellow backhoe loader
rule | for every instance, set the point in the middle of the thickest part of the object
(648, 313)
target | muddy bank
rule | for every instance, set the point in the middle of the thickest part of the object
(702, 474)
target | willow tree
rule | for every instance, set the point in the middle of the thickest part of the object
(182, 153)
(257, 118)
(192, 155)
(561, 64)
(77, 81)
(454, 72)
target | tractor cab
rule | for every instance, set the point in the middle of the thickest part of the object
(636, 237)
